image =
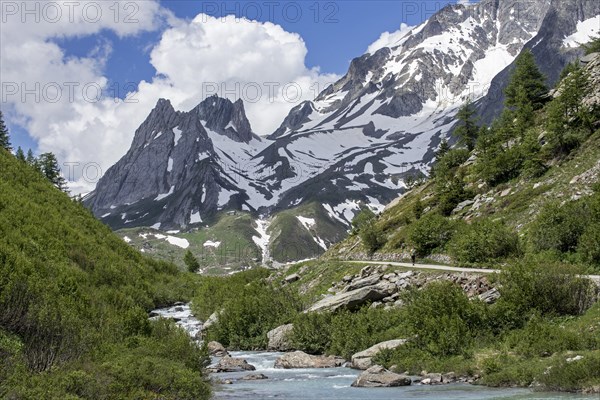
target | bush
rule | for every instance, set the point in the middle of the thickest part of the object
(249, 314)
(547, 288)
(312, 332)
(589, 244)
(371, 237)
(540, 338)
(572, 376)
(559, 227)
(430, 232)
(442, 319)
(482, 242)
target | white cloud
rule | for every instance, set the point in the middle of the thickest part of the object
(390, 39)
(190, 56)
(464, 2)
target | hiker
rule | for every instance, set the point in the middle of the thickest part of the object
(413, 256)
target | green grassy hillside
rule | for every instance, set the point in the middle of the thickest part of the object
(74, 300)
(224, 247)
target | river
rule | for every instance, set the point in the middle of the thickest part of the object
(334, 383)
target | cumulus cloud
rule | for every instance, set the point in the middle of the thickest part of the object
(259, 62)
(390, 39)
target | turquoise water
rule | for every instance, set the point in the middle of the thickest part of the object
(334, 384)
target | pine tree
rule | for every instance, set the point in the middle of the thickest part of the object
(31, 160)
(574, 88)
(524, 116)
(191, 262)
(526, 76)
(48, 165)
(442, 149)
(4, 137)
(20, 155)
(467, 129)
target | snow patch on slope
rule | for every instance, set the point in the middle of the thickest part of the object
(262, 241)
(307, 223)
(585, 31)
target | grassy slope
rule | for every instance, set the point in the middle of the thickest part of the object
(290, 240)
(236, 250)
(74, 300)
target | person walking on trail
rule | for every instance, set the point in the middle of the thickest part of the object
(413, 256)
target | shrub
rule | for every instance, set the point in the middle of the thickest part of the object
(559, 227)
(249, 314)
(430, 232)
(589, 244)
(312, 332)
(371, 237)
(548, 288)
(540, 338)
(442, 319)
(571, 376)
(482, 242)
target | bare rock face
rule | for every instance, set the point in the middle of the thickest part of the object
(378, 376)
(363, 360)
(217, 349)
(299, 359)
(279, 338)
(230, 364)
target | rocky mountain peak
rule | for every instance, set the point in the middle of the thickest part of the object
(225, 118)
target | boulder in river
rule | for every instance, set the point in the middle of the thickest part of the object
(299, 359)
(254, 377)
(279, 338)
(217, 349)
(377, 376)
(230, 364)
(363, 360)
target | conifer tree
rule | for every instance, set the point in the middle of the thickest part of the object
(592, 46)
(31, 160)
(443, 149)
(191, 262)
(467, 129)
(20, 155)
(526, 77)
(48, 165)
(4, 137)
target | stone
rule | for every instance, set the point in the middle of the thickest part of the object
(299, 359)
(505, 193)
(278, 338)
(350, 300)
(490, 296)
(292, 278)
(360, 283)
(378, 376)
(363, 359)
(217, 349)
(254, 377)
(462, 205)
(230, 364)
(214, 317)
(432, 379)
(449, 377)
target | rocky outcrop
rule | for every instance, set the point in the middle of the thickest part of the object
(279, 338)
(382, 288)
(217, 349)
(351, 300)
(299, 359)
(378, 376)
(363, 360)
(230, 364)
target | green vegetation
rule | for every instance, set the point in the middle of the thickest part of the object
(74, 300)
(247, 307)
(191, 262)
(4, 136)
